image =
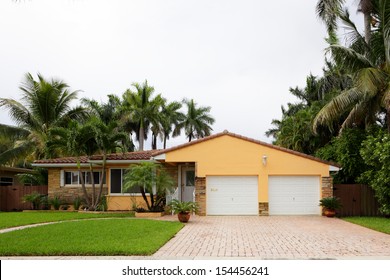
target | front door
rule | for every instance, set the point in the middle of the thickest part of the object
(187, 183)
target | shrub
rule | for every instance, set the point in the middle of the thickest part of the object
(35, 198)
(77, 203)
(56, 202)
(330, 203)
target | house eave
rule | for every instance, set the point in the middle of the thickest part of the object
(333, 168)
(59, 164)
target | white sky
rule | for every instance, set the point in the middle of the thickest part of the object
(238, 56)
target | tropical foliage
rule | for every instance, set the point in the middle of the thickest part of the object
(376, 153)
(44, 104)
(150, 179)
(197, 121)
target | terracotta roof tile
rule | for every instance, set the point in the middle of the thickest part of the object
(140, 155)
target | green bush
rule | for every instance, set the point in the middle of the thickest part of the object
(35, 198)
(330, 203)
(77, 203)
(56, 202)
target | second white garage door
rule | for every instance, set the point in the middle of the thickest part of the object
(294, 195)
(232, 195)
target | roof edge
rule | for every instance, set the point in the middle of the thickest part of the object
(227, 133)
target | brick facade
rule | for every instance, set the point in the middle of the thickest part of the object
(67, 194)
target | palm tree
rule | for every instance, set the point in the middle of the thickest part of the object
(108, 113)
(369, 67)
(150, 178)
(142, 109)
(329, 11)
(197, 122)
(45, 104)
(92, 137)
(171, 118)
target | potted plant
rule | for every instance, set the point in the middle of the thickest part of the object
(330, 205)
(183, 209)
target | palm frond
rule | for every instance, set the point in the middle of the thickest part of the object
(349, 59)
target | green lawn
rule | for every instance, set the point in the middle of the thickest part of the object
(13, 219)
(103, 237)
(375, 223)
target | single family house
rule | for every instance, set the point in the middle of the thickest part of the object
(226, 174)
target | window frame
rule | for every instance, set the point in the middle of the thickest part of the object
(76, 182)
(121, 193)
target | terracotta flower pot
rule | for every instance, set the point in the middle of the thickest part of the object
(329, 213)
(183, 217)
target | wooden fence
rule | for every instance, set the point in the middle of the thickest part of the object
(11, 197)
(357, 200)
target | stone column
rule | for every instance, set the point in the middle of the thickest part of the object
(327, 187)
(200, 195)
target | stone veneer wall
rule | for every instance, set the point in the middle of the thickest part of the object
(68, 194)
(327, 187)
(200, 195)
(263, 209)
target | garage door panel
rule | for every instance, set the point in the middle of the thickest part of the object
(232, 195)
(294, 195)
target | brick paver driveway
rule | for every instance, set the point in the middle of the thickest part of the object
(276, 237)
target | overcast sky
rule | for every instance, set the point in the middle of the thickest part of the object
(238, 56)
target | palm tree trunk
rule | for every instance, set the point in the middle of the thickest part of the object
(93, 187)
(367, 28)
(103, 175)
(84, 189)
(141, 137)
(165, 141)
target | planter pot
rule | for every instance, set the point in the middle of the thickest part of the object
(329, 213)
(183, 217)
(149, 214)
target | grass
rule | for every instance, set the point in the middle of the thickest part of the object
(14, 219)
(375, 223)
(103, 237)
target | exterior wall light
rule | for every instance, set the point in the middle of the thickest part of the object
(264, 160)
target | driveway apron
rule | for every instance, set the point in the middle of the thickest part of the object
(274, 237)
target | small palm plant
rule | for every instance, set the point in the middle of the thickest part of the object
(330, 204)
(183, 209)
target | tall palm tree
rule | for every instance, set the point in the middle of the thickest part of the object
(44, 104)
(171, 118)
(369, 68)
(142, 109)
(197, 122)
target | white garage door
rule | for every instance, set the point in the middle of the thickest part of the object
(294, 195)
(232, 195)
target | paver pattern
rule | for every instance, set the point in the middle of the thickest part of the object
(274, 237)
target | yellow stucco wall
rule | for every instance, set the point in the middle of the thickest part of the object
(228, 155)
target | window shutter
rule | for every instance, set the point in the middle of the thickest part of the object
(62, 178)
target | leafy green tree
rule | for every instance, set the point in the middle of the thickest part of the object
(376, 154)
(44, 104)
(197, 122)
(344, 149)
(152, 178)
